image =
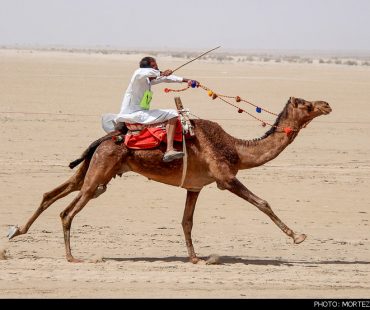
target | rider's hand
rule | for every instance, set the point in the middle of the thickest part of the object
(167, 72)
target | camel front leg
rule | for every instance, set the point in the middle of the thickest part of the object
(187, 224)
(236, 187)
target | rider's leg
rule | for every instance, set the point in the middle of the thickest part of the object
(171, 154)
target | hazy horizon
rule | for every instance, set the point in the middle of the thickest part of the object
(250, 25)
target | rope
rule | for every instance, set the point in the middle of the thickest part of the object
(194, 115)
(237, 99)
(185, 161)
(222, 97)
(243, 111)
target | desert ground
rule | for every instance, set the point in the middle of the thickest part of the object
(50, 109)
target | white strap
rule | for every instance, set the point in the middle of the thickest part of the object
(185, 161)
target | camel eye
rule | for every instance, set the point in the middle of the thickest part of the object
(309, 108)
(300, 102)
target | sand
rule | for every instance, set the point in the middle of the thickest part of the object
(319, 186)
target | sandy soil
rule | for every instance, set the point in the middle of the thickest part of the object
(319, 185)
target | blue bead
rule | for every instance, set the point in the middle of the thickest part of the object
(258, 110)
(193, 84)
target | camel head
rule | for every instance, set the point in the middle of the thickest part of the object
(303, 111)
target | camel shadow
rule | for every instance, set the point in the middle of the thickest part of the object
(230, 260)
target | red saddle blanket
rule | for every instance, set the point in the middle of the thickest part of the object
(151, 137)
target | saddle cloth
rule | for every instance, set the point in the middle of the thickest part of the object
(141, 137)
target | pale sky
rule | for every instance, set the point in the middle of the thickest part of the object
(190, 24)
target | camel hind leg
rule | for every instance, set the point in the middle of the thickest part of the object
(105, 164)
(74, 183)
(187, 224)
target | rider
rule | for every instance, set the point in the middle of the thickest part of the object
(136, 102)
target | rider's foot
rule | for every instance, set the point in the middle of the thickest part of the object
(171, 155)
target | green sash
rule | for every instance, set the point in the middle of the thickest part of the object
(145, 101)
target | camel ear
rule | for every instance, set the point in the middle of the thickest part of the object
(294, 102)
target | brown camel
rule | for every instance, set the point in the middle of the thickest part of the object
(213, 156)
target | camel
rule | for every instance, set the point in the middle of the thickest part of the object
(213, 156)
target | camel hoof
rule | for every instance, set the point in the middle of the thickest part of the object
(299, 238)
(74, 260)
(196, 260)
(13, 231)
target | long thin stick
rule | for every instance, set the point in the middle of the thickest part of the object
(196, 58)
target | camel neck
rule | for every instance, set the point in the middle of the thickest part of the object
(256, 152)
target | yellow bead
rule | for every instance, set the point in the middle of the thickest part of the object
(210, 93)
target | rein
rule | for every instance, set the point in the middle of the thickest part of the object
(214, 95)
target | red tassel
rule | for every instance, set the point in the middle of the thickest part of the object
(240, 111)
(288, 130)
(238, 99)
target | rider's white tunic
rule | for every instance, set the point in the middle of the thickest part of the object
(131, 111)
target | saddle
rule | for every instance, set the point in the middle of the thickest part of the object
(141, 136)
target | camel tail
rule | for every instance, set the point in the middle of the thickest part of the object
(89, 152)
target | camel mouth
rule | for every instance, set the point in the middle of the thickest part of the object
(325, 110)
(323, 107)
